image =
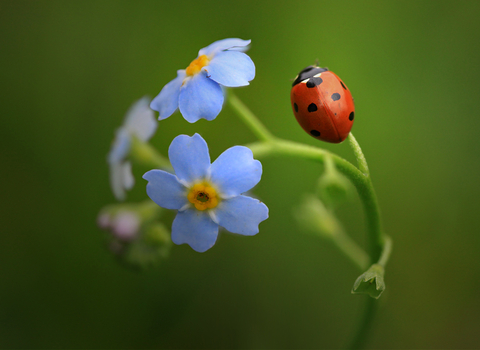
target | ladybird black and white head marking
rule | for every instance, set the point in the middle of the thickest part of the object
(307, 73)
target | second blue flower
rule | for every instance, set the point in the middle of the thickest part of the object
(197, 90)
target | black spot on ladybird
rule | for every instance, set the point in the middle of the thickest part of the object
(312, 107)
(341, 82)
(336, 96)
(315, 81)
(351, 116)
(295, 106)
(315, 133)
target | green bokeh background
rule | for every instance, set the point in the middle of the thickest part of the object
(70, 69)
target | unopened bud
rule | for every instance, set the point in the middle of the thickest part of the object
(333, 187)
(313, 216)
(371, 282)
(125, 225)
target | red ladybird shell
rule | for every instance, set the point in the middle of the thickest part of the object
(322, 104)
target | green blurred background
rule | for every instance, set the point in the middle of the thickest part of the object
(69, 70)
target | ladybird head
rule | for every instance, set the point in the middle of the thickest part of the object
(307, 73)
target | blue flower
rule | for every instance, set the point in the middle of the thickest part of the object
(197, 90)
(207, 195)
(139, 123)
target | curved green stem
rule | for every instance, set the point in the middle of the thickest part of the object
(270, 145)
(379, 245)
(249, 118)
(144, 153)
(362, 162)
(351, 250)
(362, 183)
(387, 249)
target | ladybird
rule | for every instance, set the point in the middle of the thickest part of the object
(322, 104)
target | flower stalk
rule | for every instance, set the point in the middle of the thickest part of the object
(379, 246)
(362, 183)
(144, 153)
(315, 217)
(249, 118)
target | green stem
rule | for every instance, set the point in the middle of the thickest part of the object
(329, 165)
(146, 154)
(362, 162)
(249, 118)
(270, 145)
(387, 249)
(362, 183)
(371, 304)
(360, 177)
(317, 218)
(376, 241)
(368, 314)
(351, 249)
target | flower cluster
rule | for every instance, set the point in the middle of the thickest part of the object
(206, 195)
(209, 196)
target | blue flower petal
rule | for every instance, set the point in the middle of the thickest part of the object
(166, 101)
(241, 215)
(140, 120)
(225, 44)
(121, 179)
(128, 179)
(195, 228)
(235, 171)
(120, 146)
(189, 157)
(164, 189)
(231, 68)
(200, 97)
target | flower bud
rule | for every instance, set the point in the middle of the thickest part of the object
(333, 187)
(151, 248)
(157, 234)
(135, 236)
(371, 282)
(126, 225)
(313, 216)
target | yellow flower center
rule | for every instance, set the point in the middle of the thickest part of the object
(203, 196)
(197, 65)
